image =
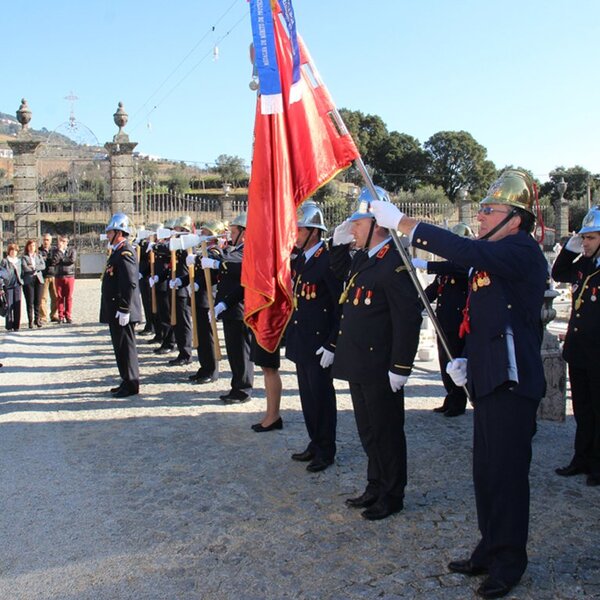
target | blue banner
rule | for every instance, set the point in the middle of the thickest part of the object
(263, 35)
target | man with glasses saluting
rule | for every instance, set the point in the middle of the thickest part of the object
(502, 369)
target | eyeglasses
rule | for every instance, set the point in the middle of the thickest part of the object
(488, 210)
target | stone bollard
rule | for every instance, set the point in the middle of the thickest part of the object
(553, 404)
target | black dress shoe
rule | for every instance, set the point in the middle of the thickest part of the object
(305, 456)
(146, 332)
(382, 509)
(365, 500)
(440, 409)
(318, 464)
(593, 480)
(235, 397)
(493, 588)
(466, 567)
(570, 470)
(180, 360)
(206, 379)
(164, 350)
(454, 412)
(155, 340)
(259, 428)
(125, 392)
(116, 389)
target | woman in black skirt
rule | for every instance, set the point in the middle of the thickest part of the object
(269, 362)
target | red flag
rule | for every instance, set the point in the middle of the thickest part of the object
(295, 152)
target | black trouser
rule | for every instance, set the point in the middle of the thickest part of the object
(585, 396)
(183, 327)
(317, 396)
(33, 296)
(237, 342)
(456, 398)
(504, 424)
(123, 341)
(165, 331)
(146, 293)
(206, 354)
(379, 415)
(13, 307)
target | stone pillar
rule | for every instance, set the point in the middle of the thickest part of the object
(562, 211)
(120, 151)
(226, 204)
(25, 179)
(553, 405)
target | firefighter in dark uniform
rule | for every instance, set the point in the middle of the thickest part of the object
(579, 264)
(146, 246)
(449, 291)
(162, 266)
(376, 345)
(230, 309)
(311, 334)
(209, 367)
(183, 309)
(503, 366)
(120, 305)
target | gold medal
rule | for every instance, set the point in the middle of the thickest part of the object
(474, 286)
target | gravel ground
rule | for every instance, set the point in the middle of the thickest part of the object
(170, 495)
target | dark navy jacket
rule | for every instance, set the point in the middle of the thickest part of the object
(316, 317)
(229, 287)
(381, 318)
(507, 285)
(582, 343)
(119, 286)
(449, 289)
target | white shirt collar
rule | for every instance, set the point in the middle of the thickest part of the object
(308, 254)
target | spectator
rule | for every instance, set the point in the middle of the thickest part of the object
(13, 282)
(32, 266)
(63, 260)
(49, 285)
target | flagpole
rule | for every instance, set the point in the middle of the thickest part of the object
(360, 165)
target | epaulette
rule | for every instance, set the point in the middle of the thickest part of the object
(126, 253)
(401, 268)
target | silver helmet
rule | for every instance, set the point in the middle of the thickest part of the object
(240, 220)
(119, 222)
(310, 215)
(363, 206)
(591, 221)
(463, 230)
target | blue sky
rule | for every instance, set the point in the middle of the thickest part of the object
(520, 76)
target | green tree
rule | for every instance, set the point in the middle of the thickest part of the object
(231, 169)
(368, 132)
(178, 182)
(400, 162)
(457, 160)
(577, 179)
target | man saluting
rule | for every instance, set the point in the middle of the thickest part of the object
(503, 368)
(120, 305)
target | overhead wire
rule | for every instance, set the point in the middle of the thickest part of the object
(196, 65)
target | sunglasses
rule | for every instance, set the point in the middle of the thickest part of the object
(488, 210)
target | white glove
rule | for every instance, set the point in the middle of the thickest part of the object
(140, 276)
(150, 246)
(457, 369)
(397, 382)
(342, 234)
(153, 280)
(123, 318)
(419, 263)
(190, 260)
(326, 357)
(386, 214)
(196, 287)
(175, 283)
(575, 244)
(219, 308)
(209, 263)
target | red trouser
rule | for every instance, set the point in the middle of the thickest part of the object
(64, 296)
